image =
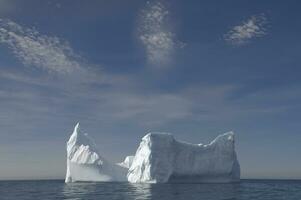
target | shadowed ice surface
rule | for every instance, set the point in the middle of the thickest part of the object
(246, 190)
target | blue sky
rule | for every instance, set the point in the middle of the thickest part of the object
(124, 68)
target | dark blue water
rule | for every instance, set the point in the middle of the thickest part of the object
(246, 190)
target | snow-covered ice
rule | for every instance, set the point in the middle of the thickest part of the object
(159, 158)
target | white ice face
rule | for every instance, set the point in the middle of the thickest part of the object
(159, 158)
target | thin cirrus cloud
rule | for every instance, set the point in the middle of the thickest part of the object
(41, 51)
(156, 35)
(254, 27)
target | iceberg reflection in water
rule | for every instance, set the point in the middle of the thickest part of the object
(57, 189)
(165, 191)
(98, 190)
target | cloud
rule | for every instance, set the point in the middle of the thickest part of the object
(254, 27)
(118, 103)
(156, 35)
(41, 51)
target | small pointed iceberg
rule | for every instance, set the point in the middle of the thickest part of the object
(84, 162)
(159, 158)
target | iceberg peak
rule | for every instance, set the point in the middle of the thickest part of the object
(84, 162)
(76, 128)
(226, 138)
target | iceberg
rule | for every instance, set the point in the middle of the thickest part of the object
(159, 158)
(84, 163)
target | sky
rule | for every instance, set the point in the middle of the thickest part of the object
(124, 68)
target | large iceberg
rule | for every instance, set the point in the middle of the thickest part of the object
(160, 158)
(84, 162)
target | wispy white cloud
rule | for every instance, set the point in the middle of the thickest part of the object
(41, 51)
(156, 35)
(254, 27)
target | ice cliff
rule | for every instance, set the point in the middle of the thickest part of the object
(159, 158)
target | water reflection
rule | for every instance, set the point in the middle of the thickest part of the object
(103, 191)
(77, 191)
(186, 191)
(57, 189)
(140, 191)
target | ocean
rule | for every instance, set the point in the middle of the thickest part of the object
(57, 189)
